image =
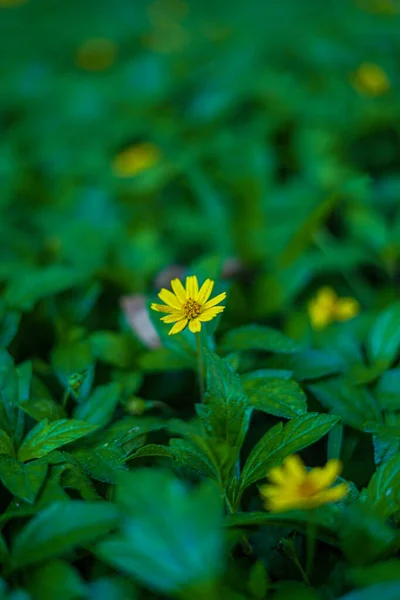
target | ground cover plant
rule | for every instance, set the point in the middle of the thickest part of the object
(199, 300)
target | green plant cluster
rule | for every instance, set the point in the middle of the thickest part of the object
(277, 174)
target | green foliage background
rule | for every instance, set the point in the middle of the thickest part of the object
(278, 174)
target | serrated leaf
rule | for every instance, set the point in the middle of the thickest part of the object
(225, 414)
(99, 408)
(280, 441)
(61, 527)
(278, 397)
(257, 337)
(102, 463)
(24, 481)
(383, 491)
(45, 437)
(43, 408)
(383, 342)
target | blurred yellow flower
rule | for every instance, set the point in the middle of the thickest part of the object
(135, 159)
(327, 307)
(96, 54)
(293, 487)
(370, 80)
(189, 306)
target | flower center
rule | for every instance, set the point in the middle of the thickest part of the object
(307, 489)
(191, 309)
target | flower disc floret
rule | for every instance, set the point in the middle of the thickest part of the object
(190, 305)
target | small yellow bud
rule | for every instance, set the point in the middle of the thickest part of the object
(370, 80)
(135, 159)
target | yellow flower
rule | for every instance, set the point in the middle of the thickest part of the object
(326, 308)
(293, 487)
(135, 159)
(189, 306)
(370, 80)
(97, 54)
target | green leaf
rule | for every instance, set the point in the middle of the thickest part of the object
(9, 324)
(257, 337)
(112, 348)
(325, 517)
(6, 445)
(45, 437)
(28, 287)
(356, 405)
(387, 390)
(99, 408)
(312, 364)
(278, 397)
(171, 537)
(24, 481)
(258, 583)
(225, 414)
(61, 527)
(380, 572)
(14, 386)
(364, 536)
(383, 492)
(384, 337)
(102, 463)
(111, 588)
(44, 581)
(280, 441)
(288, 590)
(43, 408)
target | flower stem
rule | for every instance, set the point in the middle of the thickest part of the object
(65, 397)
(311, 543)
(200, 364)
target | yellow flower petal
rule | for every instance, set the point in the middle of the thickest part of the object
(270, 491)
(170, 299)
(172, 318)
(346, 308)
(334, 494)
(294, 467)
(161, 308)
(192, 287)
(323, 478)
(179, 290)
(277, 475)
(179, 325)
(209, 314)
(215, 301)
(326, 296)
(195, 325)
(205, 291)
